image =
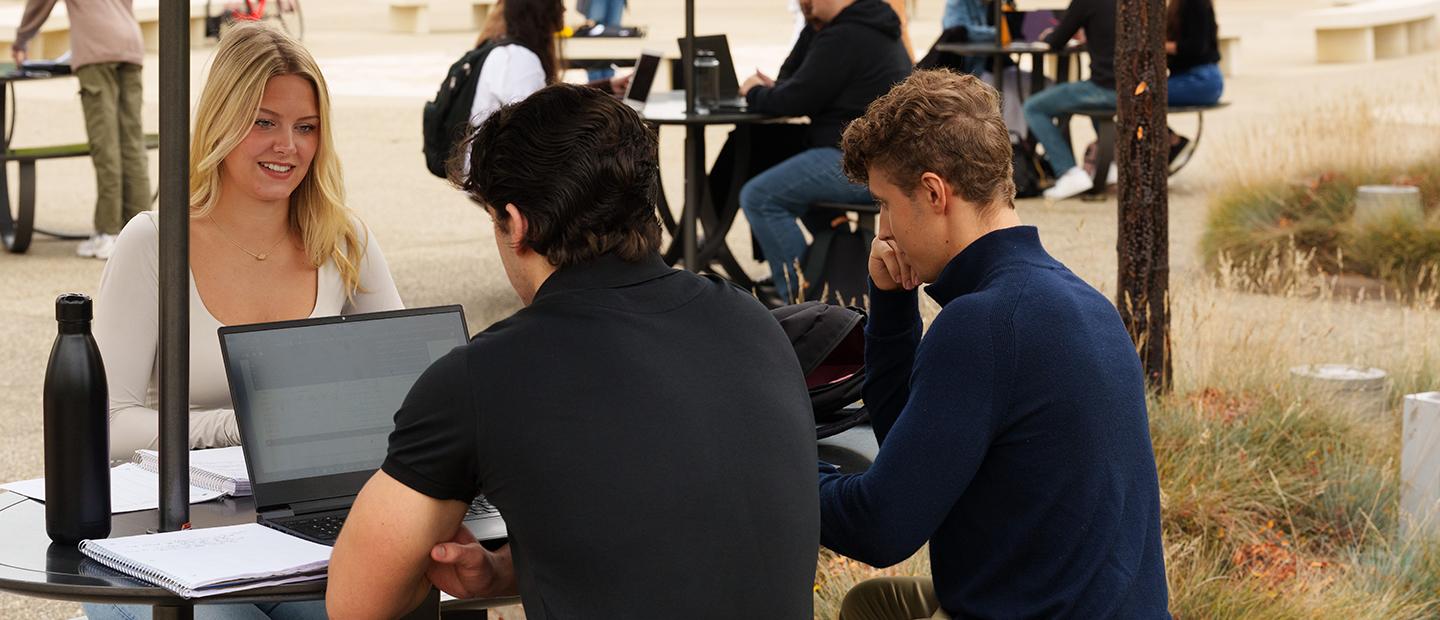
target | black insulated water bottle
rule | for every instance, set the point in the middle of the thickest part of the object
(77, 429)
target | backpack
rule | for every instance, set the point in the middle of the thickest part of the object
(829, 342)
(1030, 169)
(447, 119)
(836, 265)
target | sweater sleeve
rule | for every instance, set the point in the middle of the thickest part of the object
(818, 80)
(1075, 17)
(891, 336)
(930, 455)
(36, 12)
(127, 331)
(377, 288)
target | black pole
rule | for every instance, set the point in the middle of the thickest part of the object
(174, 265)
(687, 58)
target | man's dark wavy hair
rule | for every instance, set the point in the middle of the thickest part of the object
(579, 164)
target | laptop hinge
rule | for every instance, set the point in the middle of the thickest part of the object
(322, 505)
(278, 513)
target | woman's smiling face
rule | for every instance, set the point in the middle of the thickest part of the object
(275, 156)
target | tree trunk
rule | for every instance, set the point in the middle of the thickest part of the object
(1143, 147)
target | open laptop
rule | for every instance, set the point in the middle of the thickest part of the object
(642, 80)
(315, 400)
(730, 99)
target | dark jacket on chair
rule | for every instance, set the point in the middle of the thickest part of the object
(834, 73)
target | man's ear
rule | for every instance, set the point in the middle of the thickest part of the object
(518, 227)
(934, 193)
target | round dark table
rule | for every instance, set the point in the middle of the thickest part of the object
(998, 53)
(668, 108)
(30, 565)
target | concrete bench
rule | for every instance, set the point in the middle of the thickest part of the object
(413, 16)
(54, 36)
(1229, 46)
(1105, 140)
(1373, 30)
(16, 233)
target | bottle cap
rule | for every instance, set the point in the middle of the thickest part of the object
(73, 307)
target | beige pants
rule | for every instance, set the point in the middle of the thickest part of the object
(892, 598)
(110, 94)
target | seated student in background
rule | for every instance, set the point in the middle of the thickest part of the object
(1013, 433)
(636, 481)
(1192, 45)
(270, 239)
(854, 57)
(1044, 109)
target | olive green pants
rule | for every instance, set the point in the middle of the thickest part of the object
(892, 598)
(110, 94)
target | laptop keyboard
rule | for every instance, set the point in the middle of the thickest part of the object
(481, 507)
(326, 528)
(320, 529)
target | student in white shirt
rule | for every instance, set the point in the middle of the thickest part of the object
(270, 239)
(528, 63)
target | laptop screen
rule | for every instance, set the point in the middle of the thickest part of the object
(644, 78)
(317, 397)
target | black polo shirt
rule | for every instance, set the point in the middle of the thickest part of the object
(647, 434)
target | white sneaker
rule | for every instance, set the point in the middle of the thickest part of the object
(1113, 176)
(86, 249)
(1073, 183)
(104, 246)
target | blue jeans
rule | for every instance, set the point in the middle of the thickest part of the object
(303, 610)
(608, 14)
(776, 197)
(1044, 108)
(1200, 85)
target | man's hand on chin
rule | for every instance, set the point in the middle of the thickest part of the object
(464, 569)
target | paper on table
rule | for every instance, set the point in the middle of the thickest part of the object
(131, 489)
(221, 469)
(210, 561)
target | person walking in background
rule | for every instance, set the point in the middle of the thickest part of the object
(107, 54)
(1044, 109)
(1192, 48)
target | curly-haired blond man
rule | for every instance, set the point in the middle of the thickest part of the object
(1013, 434)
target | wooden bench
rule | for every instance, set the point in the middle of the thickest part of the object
(1373, 30)
(16, 233)
(413, 16)
(1105, 140)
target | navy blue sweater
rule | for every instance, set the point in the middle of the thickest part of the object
(1013, 437)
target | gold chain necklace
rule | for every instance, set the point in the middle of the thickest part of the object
(260, 256)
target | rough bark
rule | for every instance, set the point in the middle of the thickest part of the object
(1142, 148)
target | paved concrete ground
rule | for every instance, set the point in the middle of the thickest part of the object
(439, 246)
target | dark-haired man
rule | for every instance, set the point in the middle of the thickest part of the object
(646, 432)
(1013, 434)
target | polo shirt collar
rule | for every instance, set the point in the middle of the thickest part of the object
(968, 270)
(607, 271)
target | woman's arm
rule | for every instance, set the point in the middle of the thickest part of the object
(377, 288)
(127, 330)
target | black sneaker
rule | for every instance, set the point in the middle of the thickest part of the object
(1179, 147)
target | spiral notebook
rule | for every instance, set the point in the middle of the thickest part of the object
(210, 561)
(218, 469)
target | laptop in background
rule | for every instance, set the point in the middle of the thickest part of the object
(642, 80)
(730, 99)
(315, 400)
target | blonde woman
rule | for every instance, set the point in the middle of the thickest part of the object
(270, 239)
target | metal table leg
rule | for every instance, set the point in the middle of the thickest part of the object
(173, 612)
(694, 193)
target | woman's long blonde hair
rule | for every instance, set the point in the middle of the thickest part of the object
(248, 56)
